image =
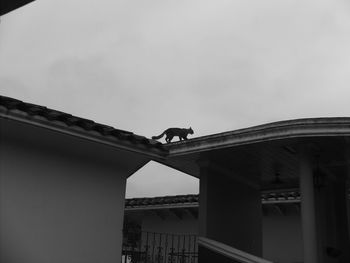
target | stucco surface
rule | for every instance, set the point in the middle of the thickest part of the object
(61, 198)
(282, 238)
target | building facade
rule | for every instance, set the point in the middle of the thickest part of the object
(172, 221)
(62, 186)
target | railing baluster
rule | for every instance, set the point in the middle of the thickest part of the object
(195, 247)
(153, 247)
(183, 250)
(165, 248)
(125, 255)
(172, 248)
(159, 248)
(146, 248)
(178, 248)
(139, 250)
(189, 248)
(132, 254)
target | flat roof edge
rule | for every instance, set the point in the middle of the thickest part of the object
(297, 128)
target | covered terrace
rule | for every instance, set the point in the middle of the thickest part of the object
(234, 167)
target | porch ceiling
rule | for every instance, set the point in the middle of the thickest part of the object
(267, 154)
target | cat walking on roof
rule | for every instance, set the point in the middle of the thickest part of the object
(170, 133)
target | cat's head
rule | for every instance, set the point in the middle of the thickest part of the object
(190, 131)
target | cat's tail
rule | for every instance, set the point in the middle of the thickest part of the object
(158, 137)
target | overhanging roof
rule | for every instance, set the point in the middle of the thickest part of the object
(83, 128)
(261, 151)
(298, 128)
(9, 5)
(258, 155)
(192, 200)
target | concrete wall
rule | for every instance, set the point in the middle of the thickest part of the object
(282, 238)
(230, 212)
(61, 198)
(171, 224)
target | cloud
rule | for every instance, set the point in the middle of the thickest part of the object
(148, 65)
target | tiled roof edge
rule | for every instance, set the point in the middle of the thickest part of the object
(45, 117)
(266, 197)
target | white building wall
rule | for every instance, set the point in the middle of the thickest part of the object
(61, 198)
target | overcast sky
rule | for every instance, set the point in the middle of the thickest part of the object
(146, 65)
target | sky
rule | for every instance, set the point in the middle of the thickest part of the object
(147, 65)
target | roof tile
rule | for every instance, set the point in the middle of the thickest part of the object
(194, 198)
(41, 113)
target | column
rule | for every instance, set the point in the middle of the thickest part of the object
(230, 212)
(308, 218)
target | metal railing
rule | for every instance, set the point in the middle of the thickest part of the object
(152, 247)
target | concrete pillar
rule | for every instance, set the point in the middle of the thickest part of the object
(341, 221)
(230, 212)
(332, 220)
(308, 217)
